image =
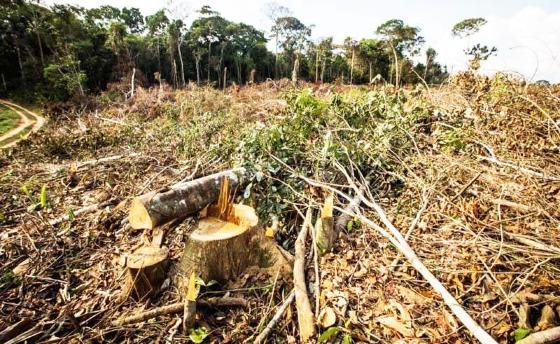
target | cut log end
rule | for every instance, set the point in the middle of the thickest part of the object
(138, 216)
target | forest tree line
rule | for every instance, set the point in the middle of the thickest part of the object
(64, 51)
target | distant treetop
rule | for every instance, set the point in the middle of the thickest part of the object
(468, 27)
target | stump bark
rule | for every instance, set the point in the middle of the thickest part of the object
(221, 249)
(180, 200)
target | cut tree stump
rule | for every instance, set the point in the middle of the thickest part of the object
(180, 200)
(221, 249)
(146, 270)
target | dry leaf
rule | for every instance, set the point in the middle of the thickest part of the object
(547, 319)
(327, 317)
(395, 325)
(411, 295)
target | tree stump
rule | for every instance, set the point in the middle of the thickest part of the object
(146, 270)
(221, 249)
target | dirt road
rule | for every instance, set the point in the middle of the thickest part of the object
(29, 119)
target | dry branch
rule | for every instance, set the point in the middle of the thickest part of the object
(178, 307)
(543, 337)
(305, 315)
(262, 336)
(397, 239)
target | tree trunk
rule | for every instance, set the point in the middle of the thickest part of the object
(155, 208)
(4, 82)
(370, 72)
(40, 48)
(427, 67)
(396, 65)
(323, 70)
(197, 64)
(132, 83)
(209, 58)
(317, 66)
(238, 66)
(20, 63)
(225, 78)
(276, 57)
(295, 70)
(352, 67)
(182, 64)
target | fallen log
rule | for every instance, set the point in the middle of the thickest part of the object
(183, 199)
(175, 308)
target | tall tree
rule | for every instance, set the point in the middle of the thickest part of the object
(477, 52)
(401, 38)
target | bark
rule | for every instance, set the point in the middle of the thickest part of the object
(323, 70)
(180, 200)
(225, 77)
(221, 250)
(306, 321)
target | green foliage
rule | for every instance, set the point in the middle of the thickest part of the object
(329, 334)
(366, 127)
(402, 37)
(197, 335)
(8, 119)
(43, 198)
(468, 27)
(521, 333)
(8, 280)
(65, 51)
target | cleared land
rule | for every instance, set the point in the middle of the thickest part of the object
(468, 173)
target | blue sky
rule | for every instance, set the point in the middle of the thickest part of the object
(527, 33)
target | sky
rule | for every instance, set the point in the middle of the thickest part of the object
(526, 33)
